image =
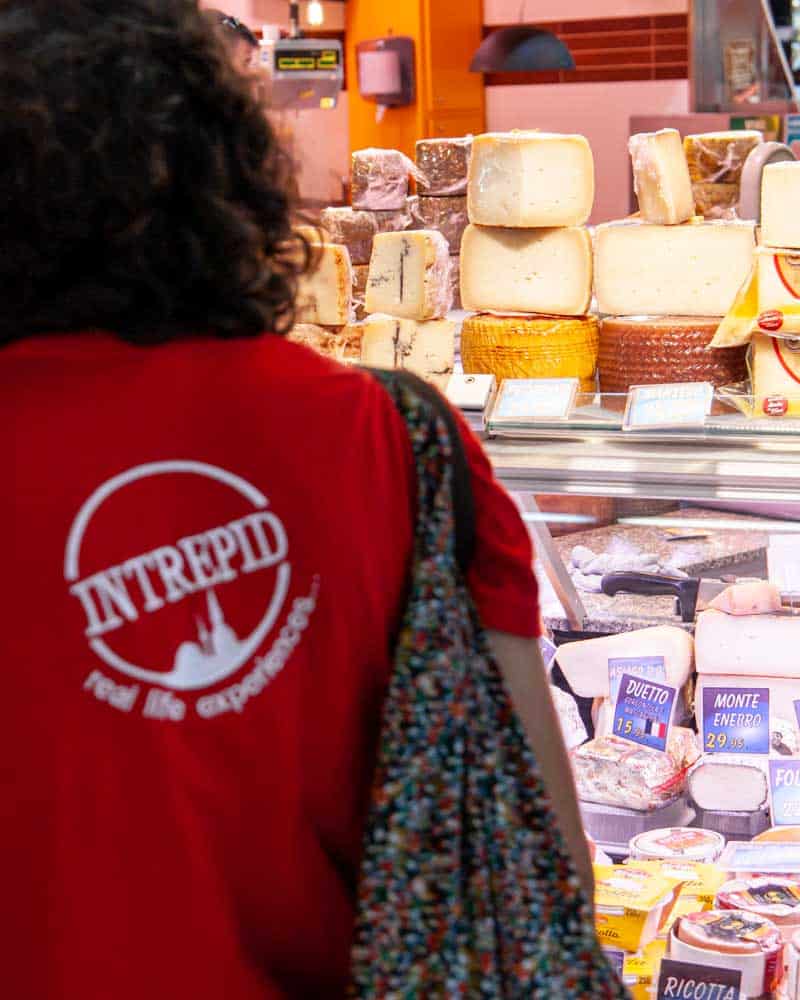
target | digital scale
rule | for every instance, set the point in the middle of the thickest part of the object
(303, 72)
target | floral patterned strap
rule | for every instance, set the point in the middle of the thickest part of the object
(466, 889)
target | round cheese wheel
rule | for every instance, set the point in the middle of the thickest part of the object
(719, 931)
(688, 843)
(780, 835)
(646, 350)
(531, 347)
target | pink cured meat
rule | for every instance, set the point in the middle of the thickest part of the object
(757, 598)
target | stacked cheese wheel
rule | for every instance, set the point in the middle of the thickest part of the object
(666, 279)
(526, 258)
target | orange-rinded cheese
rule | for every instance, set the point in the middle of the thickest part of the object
(541, 347)
(645, 350)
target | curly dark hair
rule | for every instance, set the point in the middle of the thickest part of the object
(142, 190)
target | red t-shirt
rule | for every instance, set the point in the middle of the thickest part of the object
(209, 542)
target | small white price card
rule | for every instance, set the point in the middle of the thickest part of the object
(522, 399)
(677, 404)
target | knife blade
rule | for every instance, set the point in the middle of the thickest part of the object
(692, 594)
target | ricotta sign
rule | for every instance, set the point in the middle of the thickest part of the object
(686, 981)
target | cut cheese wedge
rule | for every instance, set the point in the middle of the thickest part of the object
(426, 349)
(661, 177)
(409, 275)
(530, 179)
(693, 270)
(585, 664)
(526, 270)
(752, 645)
(324, 296)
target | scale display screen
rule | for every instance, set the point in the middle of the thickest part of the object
(307, 60)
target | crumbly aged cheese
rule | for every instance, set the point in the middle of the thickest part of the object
(409, 275)
(360, 276)
(612, 771)
(775, 367)
(585, 664)
(718, 157)
(447, 215)
(655, 349)
(661, 177)
(691, 270)
(728, 783)
(754, 645)
(526, 270)
(356, 229)
(324, 296)
(426, 349)
(541, 347)
(780, 205)
(341, 344)
(715, 201)
(379, 179)
(442, 166)
(530, 179)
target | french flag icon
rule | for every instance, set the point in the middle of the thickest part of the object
(657, 729)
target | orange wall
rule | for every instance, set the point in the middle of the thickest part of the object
(449, 99)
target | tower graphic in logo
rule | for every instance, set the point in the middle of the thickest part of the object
(163, 577)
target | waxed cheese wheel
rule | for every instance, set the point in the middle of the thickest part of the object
(650, 350)
(540, 347)
(774, 897)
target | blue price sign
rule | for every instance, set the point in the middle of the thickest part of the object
(687, 981)
(784, 782)
(644, 711)
(650, 667)
(736, 720)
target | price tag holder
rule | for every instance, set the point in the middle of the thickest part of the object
(650, 667)
(675, 404)
(679, 980)
(784, 784)
(524, 400)
(643, 712)
(736, 720)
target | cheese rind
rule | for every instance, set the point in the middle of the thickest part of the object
(339, 344)
(661, 177)
(691, 270)
(409, 275)
(360, 276)
(447, 215)
(379, 179)
(585, 663)
(324, 296)
(530, 179)
(531, 347)
(442, 166)
(426, 349)
(780, 205)
(526, 270)
(752, 645)
(357, 228)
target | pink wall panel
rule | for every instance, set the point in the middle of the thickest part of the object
(537, 11)
(601, 112)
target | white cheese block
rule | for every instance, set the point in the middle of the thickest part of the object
(530, 179)
(661, 177)
(324, 296)
(409, 275)
(585, 663)
(729, 782)
(749, 645)
(691, 270)
(780, 205)
(426, 349)
(526, 270)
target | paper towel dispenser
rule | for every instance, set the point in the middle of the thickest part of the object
(386, 70)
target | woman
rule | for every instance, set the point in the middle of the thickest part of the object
(209, 532)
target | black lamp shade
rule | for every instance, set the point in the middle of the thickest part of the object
(520, 50)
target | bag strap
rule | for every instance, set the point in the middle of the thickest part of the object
(463, 498)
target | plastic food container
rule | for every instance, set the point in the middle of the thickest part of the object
(773, 897)
(732, 939)
(630, 905)
(749, 860)
(687, 843)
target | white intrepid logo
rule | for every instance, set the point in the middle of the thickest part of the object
(198, 563)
